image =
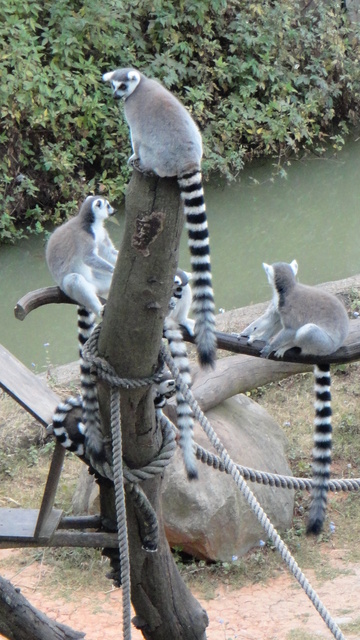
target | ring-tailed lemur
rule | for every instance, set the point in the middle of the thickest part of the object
(167, 142)
(81, 256)
(177, 317)
(316, 322)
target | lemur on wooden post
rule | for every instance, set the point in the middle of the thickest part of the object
(317, 323)
(81, 258)
(167, 142)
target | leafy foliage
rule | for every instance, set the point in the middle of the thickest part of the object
(261, 77)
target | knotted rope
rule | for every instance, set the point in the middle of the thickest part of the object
(232, 469)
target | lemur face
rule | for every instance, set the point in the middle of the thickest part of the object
(123, 82)
(181, 279)
(102, 209)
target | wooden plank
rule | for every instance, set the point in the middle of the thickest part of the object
(26, 388)
(49, 525)
(18, 525)
(65, 538)
(51, 486)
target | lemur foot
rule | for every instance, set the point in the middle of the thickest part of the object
(265, 352)
(134, 162)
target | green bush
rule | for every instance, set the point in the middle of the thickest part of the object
(260, 77)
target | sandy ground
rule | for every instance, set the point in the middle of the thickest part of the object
(278, 610)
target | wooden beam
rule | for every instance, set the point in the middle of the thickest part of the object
(26, 388)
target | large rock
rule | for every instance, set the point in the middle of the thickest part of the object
(209, 518)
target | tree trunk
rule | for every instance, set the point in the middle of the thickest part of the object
(130, 340)
(19, 620)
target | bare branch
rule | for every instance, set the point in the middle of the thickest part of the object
(349, 352)
(19, 620)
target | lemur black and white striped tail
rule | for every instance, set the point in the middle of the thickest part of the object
(68, 425)
(322, 448)
(94, 441)
(185, 421)
(203, 306)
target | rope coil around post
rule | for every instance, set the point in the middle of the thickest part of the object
(132, 477)
(251, 499)
(105, 372)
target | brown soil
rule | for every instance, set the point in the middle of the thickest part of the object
(277, 610)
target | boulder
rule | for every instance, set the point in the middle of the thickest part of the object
(209, 518)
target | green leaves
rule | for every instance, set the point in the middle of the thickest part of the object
(260, 77)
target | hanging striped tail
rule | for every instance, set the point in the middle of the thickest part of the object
(322, 449)
(68, 425)
(203, 306)
(185, 421)
(94, 443)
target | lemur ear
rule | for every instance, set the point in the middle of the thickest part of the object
(269, 272)
(294, 267)
(107, 76)
(133, 75)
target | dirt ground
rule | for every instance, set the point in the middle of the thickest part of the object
(277, 610)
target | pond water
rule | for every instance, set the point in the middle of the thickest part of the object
(312, 216)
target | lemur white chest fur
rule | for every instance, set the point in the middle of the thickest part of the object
(166, 141)
(178, 317)
(317, 323)
(81, 256)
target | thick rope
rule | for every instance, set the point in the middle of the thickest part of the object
(106, 372)
(121, 511)
(251, 500)
(161, 461)
(274, 479)
(149, 530)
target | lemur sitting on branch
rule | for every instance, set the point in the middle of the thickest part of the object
(317, 323)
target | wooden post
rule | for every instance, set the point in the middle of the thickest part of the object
(130, 340)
